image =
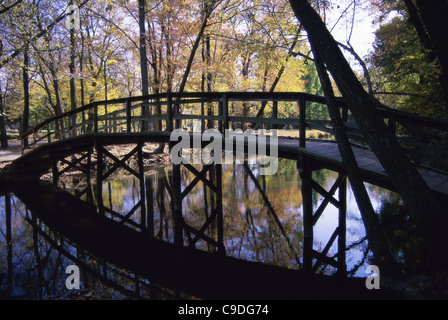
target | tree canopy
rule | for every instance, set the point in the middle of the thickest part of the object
(244, 46)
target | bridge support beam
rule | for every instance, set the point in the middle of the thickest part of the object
(104, 173)
(312, 259)
(211, 230)
(80, 160)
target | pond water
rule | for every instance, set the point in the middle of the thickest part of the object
(262, 221)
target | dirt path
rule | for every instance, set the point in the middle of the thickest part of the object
(12, 153)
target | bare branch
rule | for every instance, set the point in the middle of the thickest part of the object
(350, 49)
(6, 8)
(37, 36)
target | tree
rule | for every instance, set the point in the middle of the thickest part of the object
(26, 94)
(8, 6)
(208, 7)
(404, 70)
(72, 66)
(419, 23)
(3, 134)
(49, 57)
(16, 24)
(377, 241)
(414, 191)
(143, 60)
(36, 36)
(429, 18)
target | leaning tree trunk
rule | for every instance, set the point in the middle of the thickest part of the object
(208, 10)
(375, 236)
(404, 176)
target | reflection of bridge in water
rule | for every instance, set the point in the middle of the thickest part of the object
(89, 130)
(167, 265)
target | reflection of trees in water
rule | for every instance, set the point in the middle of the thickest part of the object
(33, 269)
(250, 230)
(403, 239)
(33, 259)
(262, 220)
(162, 211)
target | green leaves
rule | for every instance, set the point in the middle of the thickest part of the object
(401, 65)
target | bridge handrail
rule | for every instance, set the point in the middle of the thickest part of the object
(249, 96)
(171, 101)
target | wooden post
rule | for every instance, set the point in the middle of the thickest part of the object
(176, 111)
(274, 112)
(221, 115)
(177, 207)
(83, 121)
(88, 177)
(95, 118)
(342, 269)
(48, 133)
(141, 172)
(169, 111)
(219, 209)
(307, 212)
(302, 118)
(150, 206)
(54, 168)
(99, 179)
(106, 119)
(225, 112)
(9, 244)
(128, 116)
(69, 126)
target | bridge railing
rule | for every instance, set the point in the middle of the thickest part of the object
(298, 115)
(166, 112)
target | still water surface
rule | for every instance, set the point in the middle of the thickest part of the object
(33, 258)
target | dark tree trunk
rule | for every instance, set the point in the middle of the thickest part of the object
(143, 60)
(377, 241)
(26, 95)
(419, 199)
(3, 136)
(208, 11)
(72, 68)
(278, 76)
(207, 78)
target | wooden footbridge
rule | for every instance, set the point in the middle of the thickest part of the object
(154, 117)
(71, 140)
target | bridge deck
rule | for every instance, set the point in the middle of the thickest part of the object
(369, 164)
(326, 154)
